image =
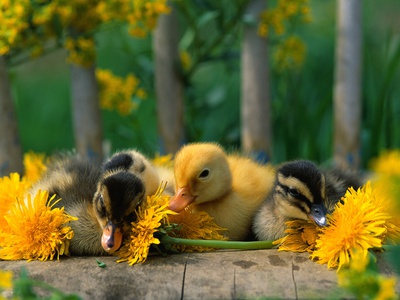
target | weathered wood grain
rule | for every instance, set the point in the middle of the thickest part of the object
(211, 275)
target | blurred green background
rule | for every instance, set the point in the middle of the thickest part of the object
(301, 100)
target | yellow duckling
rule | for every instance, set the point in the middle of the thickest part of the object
(230, 188)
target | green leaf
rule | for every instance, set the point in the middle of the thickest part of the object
(23, 287)
(100, 264)
(392, 255)
(187, 39)
(207, 17)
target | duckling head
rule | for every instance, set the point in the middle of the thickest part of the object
(120, 190)
(300, 191)
(134, 162)
(201, 173)
(117, 196)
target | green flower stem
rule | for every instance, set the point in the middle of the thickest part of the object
(166, 239)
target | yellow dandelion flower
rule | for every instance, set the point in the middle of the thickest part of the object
(386, 182)
(12, 187)
(37, 230)
(150, 216)
(301, 236)
(196, 225)
(5, 280)
(387, 288)
(387, 163)
(163, 160)
(35, 166)
(356, 225)
(389, 205)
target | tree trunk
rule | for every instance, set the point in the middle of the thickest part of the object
(347, 91)
(169, 89)
(10, 146)
(255, 105)
(86, 113)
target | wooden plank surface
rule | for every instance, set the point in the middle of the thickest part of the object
(210, 275)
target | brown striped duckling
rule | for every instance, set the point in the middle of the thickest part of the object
(103, 199)
(301, 191)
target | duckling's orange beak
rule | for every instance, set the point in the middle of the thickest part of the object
(182, 199)
(111, 239)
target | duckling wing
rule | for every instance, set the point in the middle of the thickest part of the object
(337, 183)
(71, 179)
(252, 181)
(75, 181)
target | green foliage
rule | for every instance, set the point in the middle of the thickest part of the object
(25, 288)
(43, 105)
(211, 40)
(393, 257)
(365, 281)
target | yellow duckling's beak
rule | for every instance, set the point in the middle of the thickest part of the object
(182, 199)
(111, 239)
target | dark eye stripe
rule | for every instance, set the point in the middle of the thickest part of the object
(300, 196)
(101, 210)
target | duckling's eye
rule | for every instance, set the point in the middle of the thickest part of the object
(294, 192)
(102, 207)
(101, 201)
(204, 173)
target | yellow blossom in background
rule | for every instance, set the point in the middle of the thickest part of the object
(290, 54)
(196, 225)
(388, 163)
(116, 92)
(386, 182)
(37, 230)
(81, 50)
(271, 19)
(29, 25)
(163, 160)
(290, 50)
(150, 216)
(144, 14)
(186, 60)
(364, 283)
(274, 19)
(141, 93)
(301, 236)
(35, 166)
(5, 280)
(13, 21)
(388, 206)
(356, 225)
